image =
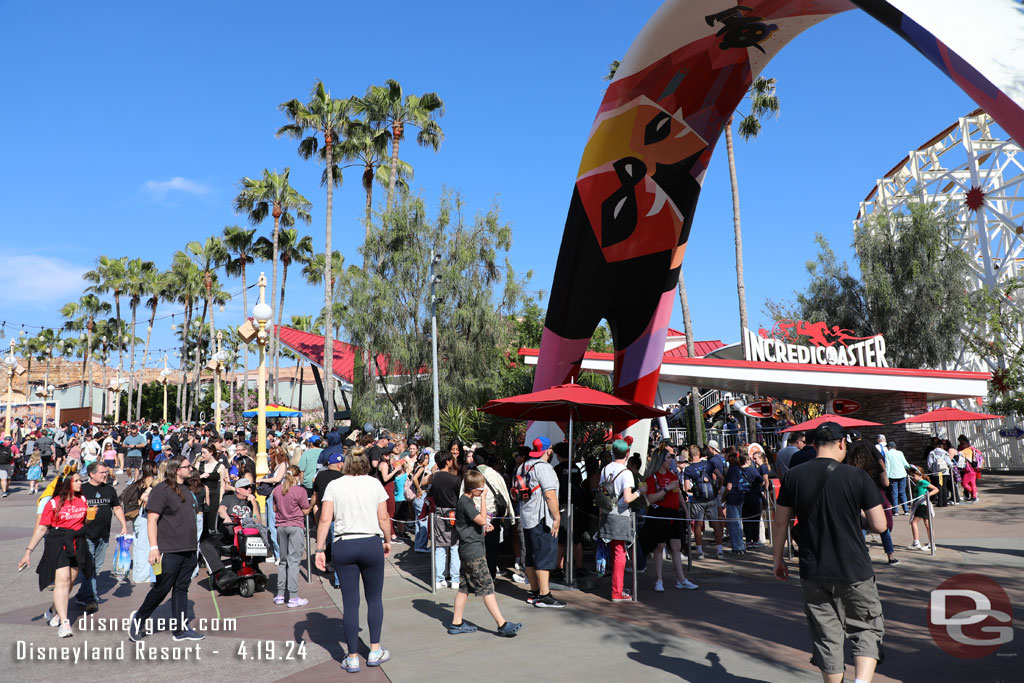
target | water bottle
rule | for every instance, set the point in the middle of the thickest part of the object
(602, 557)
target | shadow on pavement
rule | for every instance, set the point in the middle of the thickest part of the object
(326, 632)
(650, 654)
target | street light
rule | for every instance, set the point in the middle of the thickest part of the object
(165, 375)
(218, 358)
(262, 313)
(11, 362)
(434, 279)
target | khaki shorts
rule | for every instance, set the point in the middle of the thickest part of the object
(838, 610)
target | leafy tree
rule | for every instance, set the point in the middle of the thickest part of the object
(110, 276)
(155, 284)
(138, 274)
(81, 315)
(387, 310)
(993, 330)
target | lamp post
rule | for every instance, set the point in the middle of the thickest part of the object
(165, 376)
(49, 391)
(218, 359)
(434, 279)
(11, 362)
(262, 313)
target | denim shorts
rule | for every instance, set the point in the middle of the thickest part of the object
(541, 548)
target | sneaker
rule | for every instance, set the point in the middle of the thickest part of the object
(119, 472)
(65, 626)
(440, 584)
(508, 629)
(455, 585)
(454, 630)
(926, 547)
(659, 587)
(916, 545)
(50, 617)
(92, 608)
(700, 553)
(378, 657)
(894, 561)
(755, 544)
(188, 634)
(279, 600)
(298, 602)
(5, 495)
(130, 482)
(135, 633)
(687, 584)
(548, 601)
(625, 597)
(351, 664)
(719, 554)
(519, 578)
(531, 597)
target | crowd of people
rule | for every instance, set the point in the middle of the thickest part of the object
(352, 494)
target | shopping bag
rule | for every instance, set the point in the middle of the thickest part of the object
(123, 556)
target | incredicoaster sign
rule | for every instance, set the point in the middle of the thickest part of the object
(867, 352)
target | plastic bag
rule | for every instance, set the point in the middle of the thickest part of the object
(123, 556)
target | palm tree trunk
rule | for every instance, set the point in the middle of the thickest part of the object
(245, 347)
(741, 292)
(329, 289)
(273, 284)
(198, 366)
(145, 357)
(88, 364)
(302, 379)
(291, 397)
(280, 321)
(179, 406)
(684, 302)
(120, 344)
(396, 131)
(85, 367)
(131, 383)
(103, 382)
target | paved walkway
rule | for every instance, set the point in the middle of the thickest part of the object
(740, 626)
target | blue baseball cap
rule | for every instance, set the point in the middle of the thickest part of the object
(336, 458)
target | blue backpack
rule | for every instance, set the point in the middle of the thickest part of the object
(156, 444)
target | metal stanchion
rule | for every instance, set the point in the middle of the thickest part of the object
(636, 549)
(686, 537)
(789, 542)
(309, 565)
(433, 555)
(769, 533)
(931, 524)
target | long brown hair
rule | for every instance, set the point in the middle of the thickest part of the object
(292, 476)
(278, 456)
(171, 475)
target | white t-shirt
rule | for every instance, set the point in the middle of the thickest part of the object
(620, 484)
(355, 505)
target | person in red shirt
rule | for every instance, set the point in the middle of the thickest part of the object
(64, 550)
(666, 506)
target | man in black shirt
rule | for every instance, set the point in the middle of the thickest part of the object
(806, 453)
(335, 461)
(833, 502)
(103, 501)
(444, 489)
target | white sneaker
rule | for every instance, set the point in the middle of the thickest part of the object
(718, 552)
(700, 553)
(916, 545)
(51, 617)
(119, 472)
(926, 548)
(519, 578)
(65, 629)
(687, 584)
(440, 584)
(659, 587)
(455, 585)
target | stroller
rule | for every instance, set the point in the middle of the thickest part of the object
(242, 559)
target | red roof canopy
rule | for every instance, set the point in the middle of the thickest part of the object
(311, 347)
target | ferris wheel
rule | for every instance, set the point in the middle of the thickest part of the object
(975, 171)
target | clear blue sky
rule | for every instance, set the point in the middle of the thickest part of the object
(127, 126)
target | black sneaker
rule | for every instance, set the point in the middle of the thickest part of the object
(135, 632)
(92, 608)
(531, 597)
(189, 634)
(548, 601)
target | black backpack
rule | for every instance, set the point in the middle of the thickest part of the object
(605, 497)
(6, 454)
(521, 489)
(131, 500)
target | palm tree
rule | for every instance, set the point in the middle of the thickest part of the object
(272, 194)
(186, 286)
(155, 284)
(763, 101)
(366, 146)
(385, 107)
(303, 323)
(209, 256)
(240, 243)
(327, 116)
(291, 249)
(49, 342)
(110, 276)
(81, 315)
(137, 273)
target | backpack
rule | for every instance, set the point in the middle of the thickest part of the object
(605, 497)
(521, 489)
(704, 487)
(6, 454)
(156, 444)
(131, 501)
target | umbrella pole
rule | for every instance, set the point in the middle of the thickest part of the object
(569, 545)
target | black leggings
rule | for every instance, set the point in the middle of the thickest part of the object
(355, 557)
(751, 527)
(174, 579)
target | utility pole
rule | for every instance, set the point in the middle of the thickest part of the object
(434, 279)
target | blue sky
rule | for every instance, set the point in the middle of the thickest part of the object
(128, 126)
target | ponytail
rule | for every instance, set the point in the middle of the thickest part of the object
(292, 476)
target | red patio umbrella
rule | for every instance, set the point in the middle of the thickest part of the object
(948, 415)
(570, 402)
(828, 417)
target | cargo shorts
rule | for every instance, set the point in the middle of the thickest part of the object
(837, 610)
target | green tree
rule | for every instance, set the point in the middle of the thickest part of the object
(387, 309)
(155, 287)
(240, 244)
(387, 107)
(186, 288)
(138, 275)
(327, 116)
(273, 195)
(110, 276)
(993, 330)
(81, 315)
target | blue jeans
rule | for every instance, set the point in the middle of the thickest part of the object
(98, 550)
(271, 529)
(886, 537)
(199, 534)
(734, 515)
(422, 542)
(898, 494)
(439, 561)
(142, 571)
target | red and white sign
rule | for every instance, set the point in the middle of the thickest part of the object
(843, 406)
(758, 409)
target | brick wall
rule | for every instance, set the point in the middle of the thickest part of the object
(912, 439)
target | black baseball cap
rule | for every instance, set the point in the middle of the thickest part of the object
(829, 431)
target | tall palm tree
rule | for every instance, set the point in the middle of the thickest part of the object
(367, 146)
(109, 276)
(81, 315)
(272, 194)
(155, 285)
(49, 343)
(763, 101)
(209, 256)
(291, 249)
(186, 288)
(137, 273)
(386, 107)
(303, 323)
(327, 116)
(240, 243)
